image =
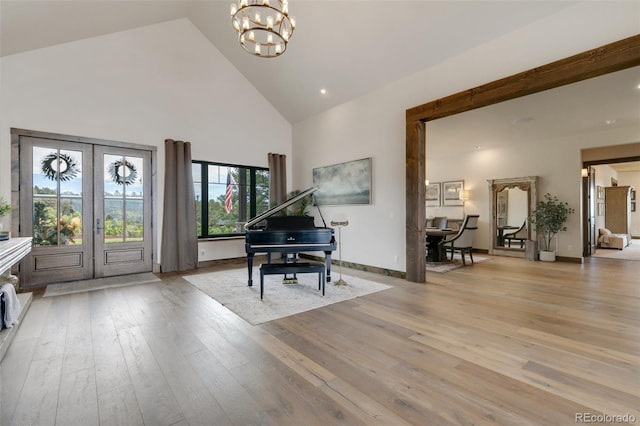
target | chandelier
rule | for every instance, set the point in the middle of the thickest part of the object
(264, 27)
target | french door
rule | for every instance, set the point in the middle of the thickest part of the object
(88, 209)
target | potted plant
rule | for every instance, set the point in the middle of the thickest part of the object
(299, 208)
(5, 208)
(549, 218)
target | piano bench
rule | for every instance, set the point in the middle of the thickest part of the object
(292, 268)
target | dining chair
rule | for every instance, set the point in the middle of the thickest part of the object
(520, 235)
(463, 241)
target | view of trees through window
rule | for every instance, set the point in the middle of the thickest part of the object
(57, 197)
(234, 194)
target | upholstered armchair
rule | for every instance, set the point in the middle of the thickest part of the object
(462, 242)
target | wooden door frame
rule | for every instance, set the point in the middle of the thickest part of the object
(606, 59)
(17, 133)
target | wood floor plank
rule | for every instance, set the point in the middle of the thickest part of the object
(240, 408)
(78, 351)
(111, 368)
(13, 374)
(157, 403)
(38, 401)
(78, 400)
(196, 402)
(119, 407)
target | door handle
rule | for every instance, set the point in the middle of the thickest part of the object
(98, 227)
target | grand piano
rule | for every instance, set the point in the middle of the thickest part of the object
(287, 234)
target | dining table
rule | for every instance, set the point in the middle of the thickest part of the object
(435, 251)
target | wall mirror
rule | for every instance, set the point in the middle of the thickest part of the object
(512, 201)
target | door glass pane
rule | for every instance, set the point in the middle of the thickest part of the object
(70, 197)
(135, 219)
(113, 199)
(57, 196)
(45, 213)
(123, 199)
(113, 220)
(132, 173)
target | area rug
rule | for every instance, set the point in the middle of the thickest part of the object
(451, 265)
(99, 284)
(230, 289)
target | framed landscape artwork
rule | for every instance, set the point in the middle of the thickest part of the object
(451, 193)
(432, 196)
(344, 183)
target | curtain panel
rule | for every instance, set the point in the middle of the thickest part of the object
(277, 178)
(179, 248)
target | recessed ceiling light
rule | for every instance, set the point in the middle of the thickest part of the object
(610, 122)
(323, 91)
(478, 147)
(523, 120)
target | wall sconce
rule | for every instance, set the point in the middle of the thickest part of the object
(584, 172)
(464, 195)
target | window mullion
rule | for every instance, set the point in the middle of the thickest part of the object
(204, 206)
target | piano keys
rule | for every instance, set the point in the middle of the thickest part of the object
(288, 235)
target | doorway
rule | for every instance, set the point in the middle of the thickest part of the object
(605, 167)
(88, 206)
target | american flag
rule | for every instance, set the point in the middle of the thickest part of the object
(228, 205)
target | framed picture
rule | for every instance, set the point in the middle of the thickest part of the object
(451, 193)
(344, 183)
(633, 206)
(600, 192)
(600, 209)
(432, 196)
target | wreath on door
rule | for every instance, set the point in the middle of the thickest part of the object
(123, 172)
(59, 166)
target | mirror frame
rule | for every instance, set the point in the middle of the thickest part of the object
(529, 184)
(602, 60)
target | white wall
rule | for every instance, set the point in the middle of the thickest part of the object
(142, 86)
(374, 126)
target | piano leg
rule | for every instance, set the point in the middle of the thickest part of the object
(250, 266)
(327, 261)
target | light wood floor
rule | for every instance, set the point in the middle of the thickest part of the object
(505, 342)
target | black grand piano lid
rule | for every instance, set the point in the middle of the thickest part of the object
(280, 207)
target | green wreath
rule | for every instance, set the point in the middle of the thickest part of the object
(128, 175)
(68, 167)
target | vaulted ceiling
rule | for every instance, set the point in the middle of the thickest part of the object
(346, 47)
(350, 48)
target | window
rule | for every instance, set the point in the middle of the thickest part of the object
(218, 215)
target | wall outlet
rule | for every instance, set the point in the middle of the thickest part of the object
(396, 258)
(570, 247)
